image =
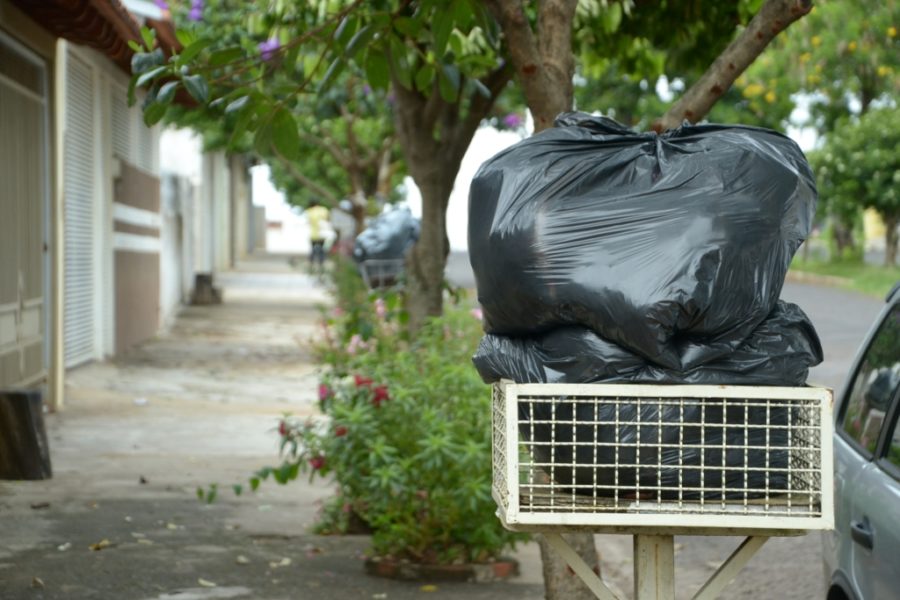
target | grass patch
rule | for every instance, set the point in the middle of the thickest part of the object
(874, 280)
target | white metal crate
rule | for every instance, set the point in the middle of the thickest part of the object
(626, 458)
(381, 273)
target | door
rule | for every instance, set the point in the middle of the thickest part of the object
(79, 192)
(24, 194)
(867, 510)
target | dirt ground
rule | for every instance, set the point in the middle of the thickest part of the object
(198, 405)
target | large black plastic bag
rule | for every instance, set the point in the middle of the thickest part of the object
(780, 351)
(672, 246)
(388, 236)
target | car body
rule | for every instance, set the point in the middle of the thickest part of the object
(862, 553)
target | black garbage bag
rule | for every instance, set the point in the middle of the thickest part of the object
(779, 351)
(388, 236)
(673, 246)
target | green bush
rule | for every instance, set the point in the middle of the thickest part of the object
(407, 433)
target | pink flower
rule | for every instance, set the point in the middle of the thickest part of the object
(325, 392)
(338, 311)
(362, 381)
(380, 308)
(282, 429)
(355, 344)
(317, 462)
(380, 395)
(340, 431)
(477, 313)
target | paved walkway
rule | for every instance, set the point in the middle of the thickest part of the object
(195, 406)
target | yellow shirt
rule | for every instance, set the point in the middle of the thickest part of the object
(316, 216)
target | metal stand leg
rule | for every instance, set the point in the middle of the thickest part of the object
(730, 568)
(584, 572)
(654, 567)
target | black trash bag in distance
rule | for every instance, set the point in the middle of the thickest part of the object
(672, 246)
(388, 236)
(779, 351)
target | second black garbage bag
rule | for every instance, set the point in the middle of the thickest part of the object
(673, 246)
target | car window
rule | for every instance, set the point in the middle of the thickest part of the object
(893, 454)
(874, 385)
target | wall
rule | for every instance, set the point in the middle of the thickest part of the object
(136, 235)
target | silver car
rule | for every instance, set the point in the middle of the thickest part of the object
(862, 554)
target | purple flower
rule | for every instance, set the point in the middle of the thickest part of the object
(196, 13)
(513, 121)
(366, 89)
(161, 4)
(268, 48)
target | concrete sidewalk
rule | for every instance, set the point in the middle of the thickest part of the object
(120, 518)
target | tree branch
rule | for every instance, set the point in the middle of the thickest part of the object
(330, 147)
(774, 17)
(304, 180)
(480, 105)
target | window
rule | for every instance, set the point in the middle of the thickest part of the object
(893, 453)
(874, 385)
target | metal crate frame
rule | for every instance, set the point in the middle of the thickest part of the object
(381, 273)
(782, 512)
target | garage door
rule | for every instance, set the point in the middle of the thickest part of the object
(24, 192)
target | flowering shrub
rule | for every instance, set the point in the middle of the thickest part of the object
(405, 431)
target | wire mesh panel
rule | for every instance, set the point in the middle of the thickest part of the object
(381, 273)
(663, 456)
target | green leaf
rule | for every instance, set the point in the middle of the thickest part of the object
(378, 71)
(448, 84)
(262, 143)
(131, 91)
(135, 46)
(197, 87)
(144, 61)
(212, 493)
(200, 493)
(238, 489)
(612, 18)
(237, 105)
(225, 56)
(188, 54)
(285, 135)
(334, 69)
(346, 29)
(148, 76)
(480, 87)
(359, 40)
(408, 26)
(185, 37)
(149, 36)
(441, 31)
(167, 92)
(425, 77)
(153, 113)
(254, 483)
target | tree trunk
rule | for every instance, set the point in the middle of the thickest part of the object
(434, 135)
(24, 453)
(773, 17)
(543, 59)
(425, 265)
(890, 241)
(842, 234)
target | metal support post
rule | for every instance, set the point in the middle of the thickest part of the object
(654, 567)
(727, 571)
(581, 568)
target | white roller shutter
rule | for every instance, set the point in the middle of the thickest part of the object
(79, 190)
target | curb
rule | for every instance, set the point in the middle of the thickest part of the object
(814, 278)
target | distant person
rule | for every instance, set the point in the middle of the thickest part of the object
(316, 215)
